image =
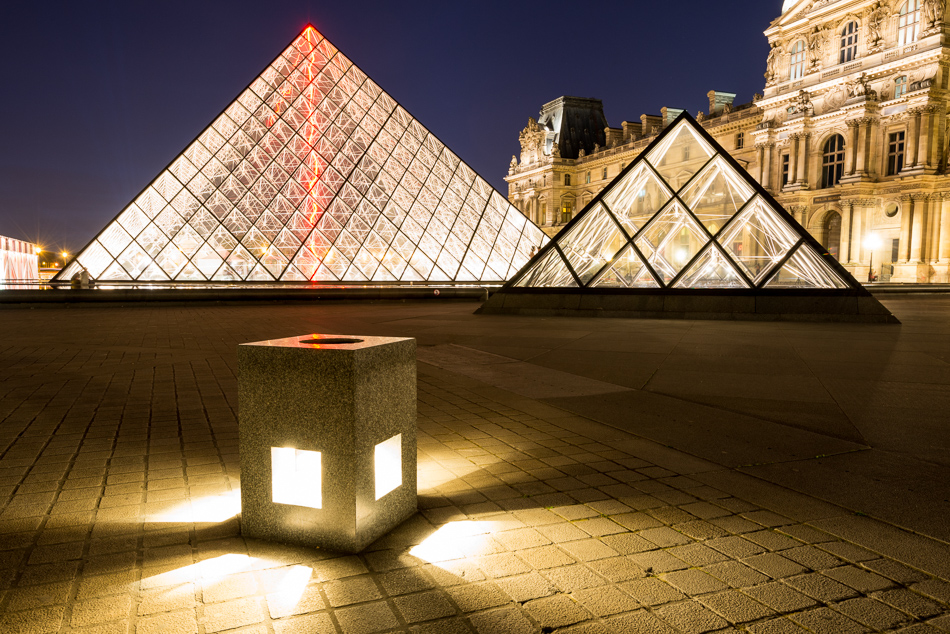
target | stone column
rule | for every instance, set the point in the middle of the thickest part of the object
(793, 160)
(857, 231)
(933, 229)
(943, 239)
(802, 171)
(851, 147)
(760, 155)
(767, 169)
(913, 131)
(844, 248)
(925, 144)
(863, 161)
(919, 222)
(907, 215)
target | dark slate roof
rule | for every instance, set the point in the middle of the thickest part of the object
(575, 123)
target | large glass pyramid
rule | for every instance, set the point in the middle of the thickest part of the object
(313, 174)
(683, 215)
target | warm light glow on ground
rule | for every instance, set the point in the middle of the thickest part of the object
(454, 540)
(288, 589)
(211, 509)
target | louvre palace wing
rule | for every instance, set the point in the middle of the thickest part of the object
(683, 215)
(313, 173)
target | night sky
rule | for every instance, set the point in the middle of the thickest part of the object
(99, 96)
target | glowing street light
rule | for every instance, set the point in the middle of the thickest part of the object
(871, 242)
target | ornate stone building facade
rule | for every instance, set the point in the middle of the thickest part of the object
(851, 135)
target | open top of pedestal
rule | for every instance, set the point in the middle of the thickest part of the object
(328, 342)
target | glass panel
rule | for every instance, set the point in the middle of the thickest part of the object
(313, 144)
(206, 260)
(627, 271)
(671, 240)
(135, 260)
(716, 194)
(636, 198)
(805, 269)
(133, 220)
(592, 242)
(712, 270)
(550, 271)
(680, 155)
(757, 239)
(115, 239)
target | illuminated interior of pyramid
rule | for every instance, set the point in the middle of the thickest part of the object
(313, 173)
(683, 216)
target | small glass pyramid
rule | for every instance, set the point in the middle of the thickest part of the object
(684, 215)
(313, 174)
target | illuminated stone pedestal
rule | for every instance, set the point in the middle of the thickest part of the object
(327, 435)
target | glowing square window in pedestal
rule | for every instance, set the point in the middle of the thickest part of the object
(388, 465)
(295, 476)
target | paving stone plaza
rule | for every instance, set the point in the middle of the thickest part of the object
(575, 475)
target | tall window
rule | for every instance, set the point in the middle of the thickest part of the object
(740, 140)
(908, 26)
(900, 86)
(588, 177)
(567, 179)
(605, 173)
(832, 161)
(797, 64)
(895, 153)
(786, 163)
(849, 43)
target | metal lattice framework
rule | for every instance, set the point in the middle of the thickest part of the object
(313, 173)
(684, 215)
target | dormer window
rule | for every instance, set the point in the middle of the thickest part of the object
(796, 68)
(849, 43)
(908, 25)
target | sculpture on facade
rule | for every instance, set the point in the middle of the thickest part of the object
(932, 14)
(876, 17)
(802, 104)
(700, 116)
(860, 86)
(555, 150)
(532, 142)
(771, 65)
(513, 165)
(816, 41)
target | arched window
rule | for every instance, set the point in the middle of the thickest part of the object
(832, 161)
(796, 69)
(908, 26)
(567, 179)
(900, 86)
(849, 43)
(831, 232)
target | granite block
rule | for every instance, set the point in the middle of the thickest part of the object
(339, 399)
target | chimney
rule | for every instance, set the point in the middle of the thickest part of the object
(631, 131)
(670, 114)
(719, 99)
(614, 136)
(650, 121)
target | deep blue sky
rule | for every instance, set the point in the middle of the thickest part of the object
(99, 96)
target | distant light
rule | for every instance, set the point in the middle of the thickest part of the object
(64, 254)
(37, 250)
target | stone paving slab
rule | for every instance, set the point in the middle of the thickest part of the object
(120, 476)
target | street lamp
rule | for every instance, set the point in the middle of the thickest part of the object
(871, 242)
